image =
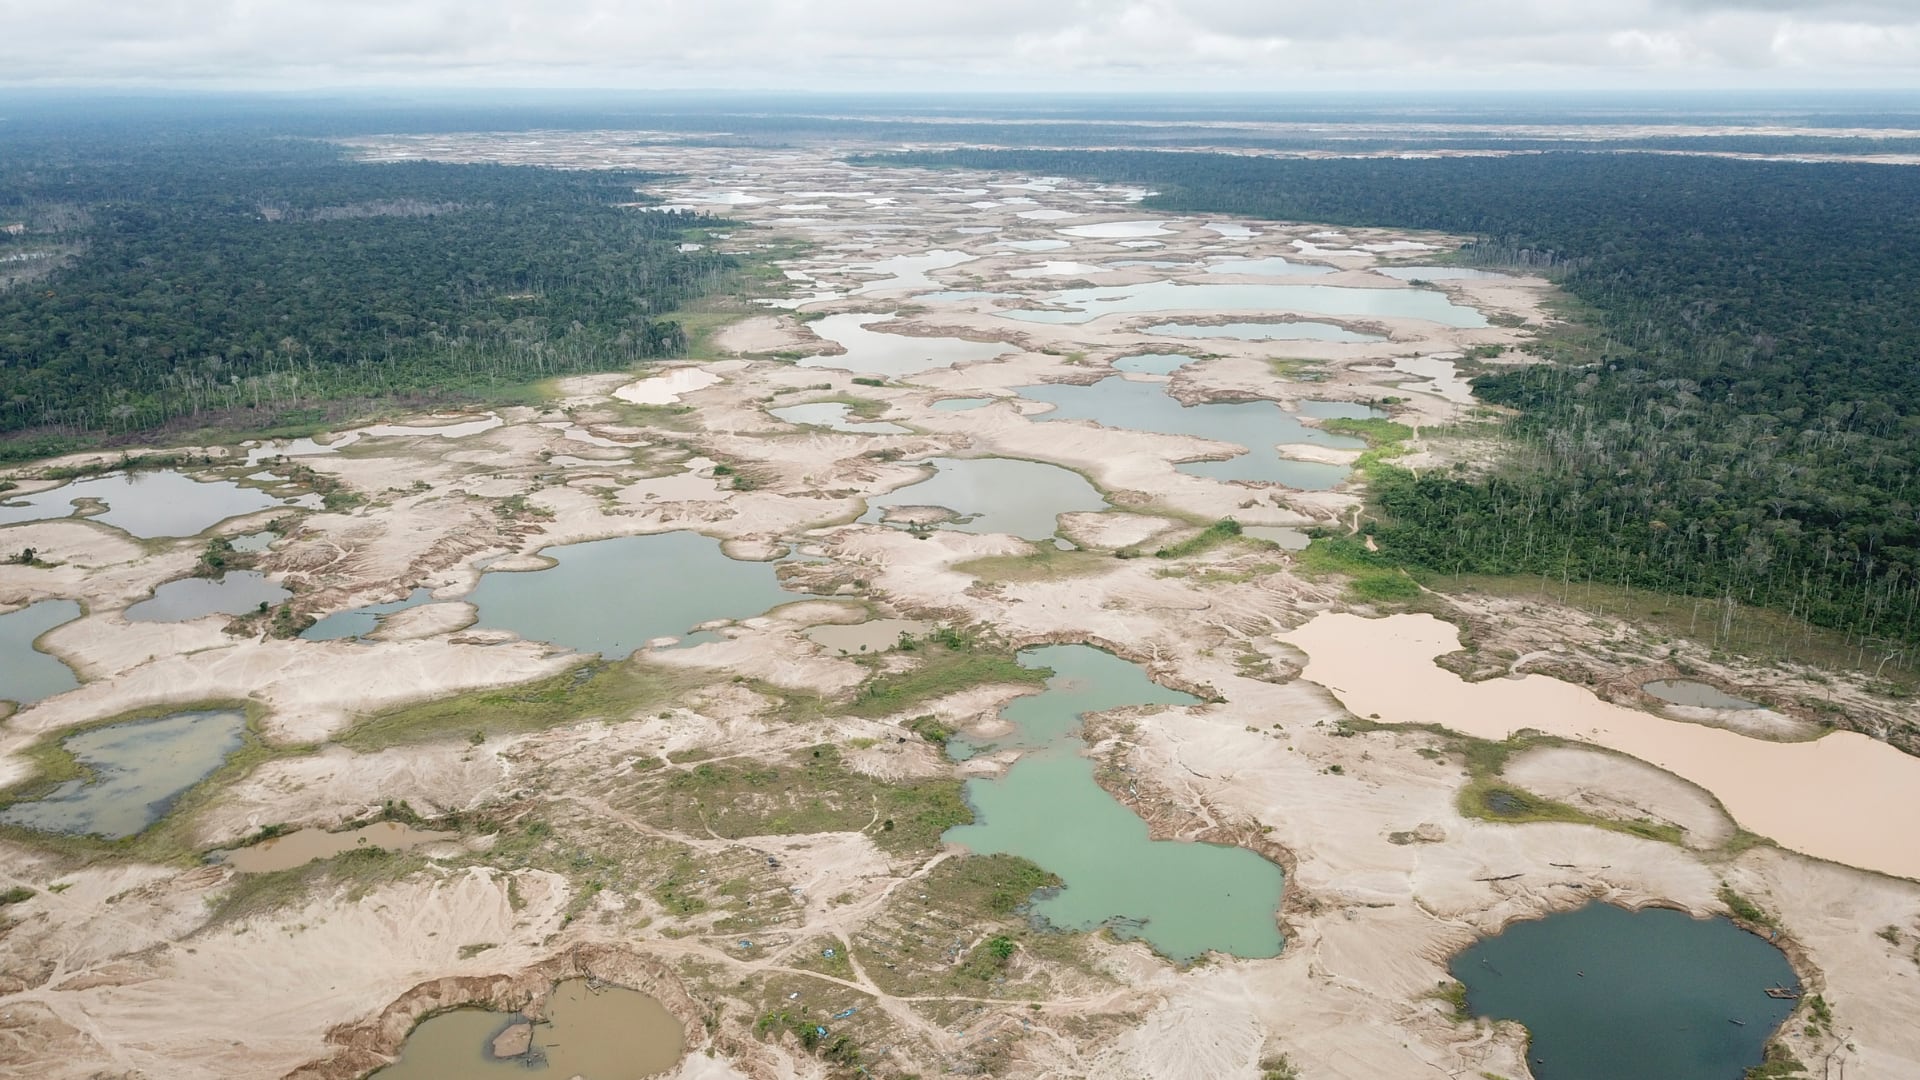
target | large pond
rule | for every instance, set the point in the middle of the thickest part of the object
(1184, 899)
(28, 675)
(993, 495)
(1085, 305)
(870, 352)
(609, 1033)
(1263, 331)
(134, 772)
(614, 596)
(1259, 426)
(233, 593)
(163, 503)
(1608, 993)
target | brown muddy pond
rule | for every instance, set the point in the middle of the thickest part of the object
(872, 636)
(611, 1033)
(306, 845)
(1697, 694)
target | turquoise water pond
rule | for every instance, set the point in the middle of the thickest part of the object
(1183, 899)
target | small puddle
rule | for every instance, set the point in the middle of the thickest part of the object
(304, 846)
(1698, 694)
(614, 596)
(1607, 993)
(1263, 331)
(1260, 426)
(873, 353)
(610, 1033)
(360, 622)
(1184, 899)
(833, 415)
(28, 675)
(253, 543)
(873, 636)
(135, 772)
(162, 503)
(236, 592)
(1086, 305)
(992, 495)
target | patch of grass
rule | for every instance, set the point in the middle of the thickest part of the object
(361, 868)
(1373, 578)
(597, 689)
(994, 884)
(961, 925)
(1226, 530)
(1779, 1064)
(1453, 994)
(1491, 800)
(942, 669)
(1277, 1067)
(864, 408)
(1375, 430)
(1044, 563)
(1744, 909)
(1297, 370)
(930, 729)
(812, 790)
(19, 894)
(828, 956)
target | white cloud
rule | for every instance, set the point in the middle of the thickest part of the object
(971, 44)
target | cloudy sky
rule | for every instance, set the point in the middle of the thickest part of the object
(1219, 45)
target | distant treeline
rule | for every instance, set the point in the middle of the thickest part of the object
(194, 274)
(1745, 422)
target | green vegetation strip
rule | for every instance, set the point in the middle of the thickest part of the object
(595, 690)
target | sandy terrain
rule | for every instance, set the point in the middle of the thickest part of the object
(129, 970)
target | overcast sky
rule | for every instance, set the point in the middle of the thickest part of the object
(1145, 45)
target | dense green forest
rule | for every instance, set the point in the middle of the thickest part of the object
(195, 274)
(1745, 424)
